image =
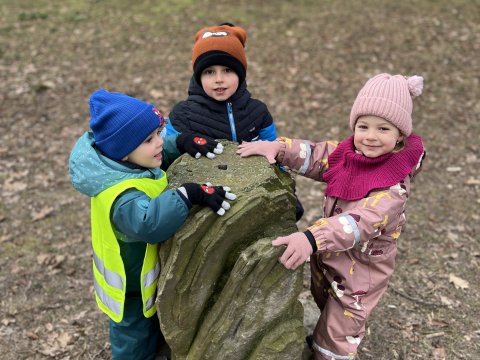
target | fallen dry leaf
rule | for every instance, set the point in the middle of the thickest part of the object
(32, 335)
(458, 282)
(439, 354)
(51, 261)
(12, 186)
(8, 321)
(157, 94)
(65, 339)
(5, 238)
(43, 213)
(42, 258)
(446, 301)
(15, 182)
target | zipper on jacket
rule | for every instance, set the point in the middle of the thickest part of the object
(232, 121)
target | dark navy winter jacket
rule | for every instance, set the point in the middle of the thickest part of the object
(240, 118)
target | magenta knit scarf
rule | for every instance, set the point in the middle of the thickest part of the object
(351, 176)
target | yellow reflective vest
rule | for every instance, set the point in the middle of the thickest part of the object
(108, 268)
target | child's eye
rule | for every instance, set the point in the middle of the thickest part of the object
(384, 129)
(228, 70)
(209, 72)
(149, 139)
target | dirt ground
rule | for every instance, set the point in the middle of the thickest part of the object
(307, 60)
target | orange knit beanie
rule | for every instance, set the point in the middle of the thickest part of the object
(220, 45)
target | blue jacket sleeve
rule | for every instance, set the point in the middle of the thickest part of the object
(268, 133)
(170, 129)
(170, 150)
(143, 219)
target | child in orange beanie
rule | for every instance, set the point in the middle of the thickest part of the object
(219, 106)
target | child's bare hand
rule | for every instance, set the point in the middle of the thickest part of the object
(297, 252)
(268, 149)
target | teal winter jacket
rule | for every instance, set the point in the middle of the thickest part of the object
(137, 219)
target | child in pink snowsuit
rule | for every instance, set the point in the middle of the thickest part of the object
(368, 177)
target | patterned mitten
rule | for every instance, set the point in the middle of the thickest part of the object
(209, 195)
(197, 145)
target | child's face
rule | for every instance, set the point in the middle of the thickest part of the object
(375, 136)
(149, 153)
(219, 82)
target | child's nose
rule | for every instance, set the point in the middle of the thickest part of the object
(218, 77)
(371, 134)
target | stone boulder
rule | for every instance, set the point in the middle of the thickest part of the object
(222, 294)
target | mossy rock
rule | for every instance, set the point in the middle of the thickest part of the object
(222, 292)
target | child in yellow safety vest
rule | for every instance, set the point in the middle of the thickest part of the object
(118, 165)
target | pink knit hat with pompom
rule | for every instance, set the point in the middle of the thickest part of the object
(389, 97)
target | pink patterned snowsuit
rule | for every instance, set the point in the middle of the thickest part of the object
(357, 244)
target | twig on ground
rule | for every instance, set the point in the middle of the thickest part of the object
(97, 354)
(411, 298)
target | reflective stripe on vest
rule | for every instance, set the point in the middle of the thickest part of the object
(149, 285)
(112, 278)
(108, 268)
(152, 275)
(110, 303)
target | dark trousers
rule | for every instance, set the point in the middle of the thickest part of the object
(135, 337)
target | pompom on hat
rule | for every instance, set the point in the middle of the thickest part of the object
(120, 123)
(389, 97)
(220, 45)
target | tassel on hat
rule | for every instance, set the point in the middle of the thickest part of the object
(120, 123)
(389, 97)
(220, 45)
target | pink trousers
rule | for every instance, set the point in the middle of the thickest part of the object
(346, 286)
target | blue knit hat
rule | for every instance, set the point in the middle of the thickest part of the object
(120, 123)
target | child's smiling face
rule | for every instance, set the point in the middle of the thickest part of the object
(149, 153)
(219, 82)
(375, 136)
